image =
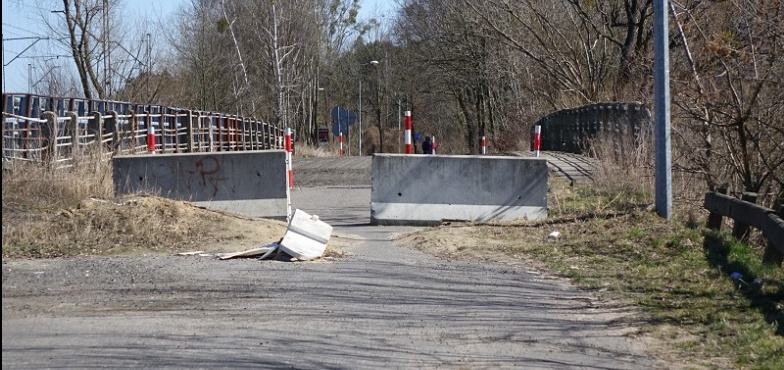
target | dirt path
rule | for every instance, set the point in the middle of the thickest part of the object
(380, 306)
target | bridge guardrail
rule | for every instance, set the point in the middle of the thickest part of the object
(569, 130)
(55, 129)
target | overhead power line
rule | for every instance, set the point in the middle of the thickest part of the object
(27, 48)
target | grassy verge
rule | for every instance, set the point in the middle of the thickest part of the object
(677, 272)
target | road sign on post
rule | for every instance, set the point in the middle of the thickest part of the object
(341, 119)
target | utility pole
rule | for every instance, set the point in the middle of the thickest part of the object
(19, 54)
(360, 116)
(399, 130)
(106, 58)
(370, 63)
(29, 78)
(661, 73)
(149, 68)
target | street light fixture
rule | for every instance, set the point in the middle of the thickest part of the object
(373, 63)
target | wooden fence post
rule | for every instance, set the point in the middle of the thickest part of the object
(211, 132)
(772, 254)
(112, 126)
(72, 130)
(95, 127)
(189, 129)
(740, 230)
(49, 136)
(714, 219)
(133, 126)
(254, 130)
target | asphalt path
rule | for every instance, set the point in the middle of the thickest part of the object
(573, 167)
(381, 306)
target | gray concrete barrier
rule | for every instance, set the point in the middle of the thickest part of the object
(429, 189)
(250, 183)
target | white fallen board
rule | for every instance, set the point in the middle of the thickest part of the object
(190, 253)
(250, 252)
(306, 237)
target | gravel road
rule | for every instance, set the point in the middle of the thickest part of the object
(381, 306)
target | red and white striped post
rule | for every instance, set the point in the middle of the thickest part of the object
(484, 145)
(433, 143)
(289, 170)
(537, 140)
(409, 146)
(151, 139)
(340, 145)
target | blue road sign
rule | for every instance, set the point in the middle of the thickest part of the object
(341, 119)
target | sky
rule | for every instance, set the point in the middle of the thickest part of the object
(22, 28)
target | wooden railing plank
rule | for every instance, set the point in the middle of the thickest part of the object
(747, 214)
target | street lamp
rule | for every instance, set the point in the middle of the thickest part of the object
(372, 62)
(319, 89)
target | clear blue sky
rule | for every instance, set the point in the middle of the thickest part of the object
(21, 20)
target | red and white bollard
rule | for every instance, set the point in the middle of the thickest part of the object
(409, 146)
(433, 140)
(151, 139)
(537, 140)
(340, 145)
(289, 170)
(484, 145)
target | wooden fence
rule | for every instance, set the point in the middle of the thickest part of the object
(39, 128)
(746, 214)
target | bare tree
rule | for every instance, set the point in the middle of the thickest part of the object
(202, 53)
(87, 36)
(458, 56)
(731, 105)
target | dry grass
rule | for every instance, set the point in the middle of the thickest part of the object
(73, 211)
(31, 186)
(329, 150)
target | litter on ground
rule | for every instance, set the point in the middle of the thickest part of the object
(306, 238)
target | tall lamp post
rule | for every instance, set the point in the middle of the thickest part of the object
(373, 63)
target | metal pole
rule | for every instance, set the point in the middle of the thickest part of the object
(360, 116)
(149, 68)
(4, 87)
(661, 85)
(106, 61)
(399, 130)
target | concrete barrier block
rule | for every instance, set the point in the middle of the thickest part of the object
(428, 189)
(249, 183)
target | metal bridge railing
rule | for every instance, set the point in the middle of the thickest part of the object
(56, 130)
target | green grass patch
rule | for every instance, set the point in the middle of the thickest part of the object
(677, 272)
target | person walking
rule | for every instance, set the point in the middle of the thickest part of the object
(427, 146)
